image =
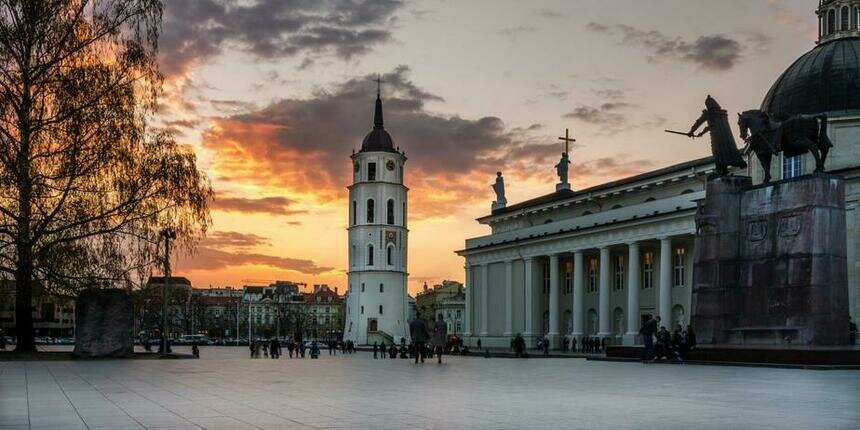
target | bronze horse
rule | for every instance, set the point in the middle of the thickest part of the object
(795, 136)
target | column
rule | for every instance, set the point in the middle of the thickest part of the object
(665, 291)
(467, 317)
(484, 299)
(529, 302)
(509, 299)
(552, 335)
(632, 294)
(603, 327)
(578, 296)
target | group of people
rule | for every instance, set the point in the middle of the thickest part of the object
(272, 349)
(420, 336)
(669, 346)
(383, 350)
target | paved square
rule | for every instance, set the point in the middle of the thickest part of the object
(226, 390)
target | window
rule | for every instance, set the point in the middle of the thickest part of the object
(592, 275)
(362, 309)
(619, 272)
(370, 210)
(370, 255)
(380, 309)
(362, 287)
(680, 266)
(792, 167)
(844, 19)
(831, 21)
(371, 171)
(381, 288)
(546, 277)
(647, 270)
(354, 213)
(390, 256)
(458, 314)
(568, 278)
(390, 211)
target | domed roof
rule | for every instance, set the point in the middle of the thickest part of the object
(378, 139)
(825, 79)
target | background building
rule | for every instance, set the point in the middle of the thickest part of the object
(446, 299)
(53, 315)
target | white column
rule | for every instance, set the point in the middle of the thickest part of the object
(552, 335)
(578, 295)
(665, 291)
(529, 302)
(467, 317)
(632, 294)
(484, 299)
(509, 300)
(603, 327)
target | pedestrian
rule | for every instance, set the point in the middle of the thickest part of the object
(418, 332)
(290, 346)
(852, 331)
(195, 351)
(265, 346)
(664, 338)
(479, 343)
(375, 349)
(315, 350)
(392, 351)
(647, 332)
(603, 344)
(382, 350)
(440, 337)
(302, 348)
(251, 347)
(545, 346)
(275, 348)
(519, 345)
(573, 344)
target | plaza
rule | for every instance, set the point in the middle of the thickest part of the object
(226, 390)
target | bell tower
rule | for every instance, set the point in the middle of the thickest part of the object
(838, 19)
(378, 237)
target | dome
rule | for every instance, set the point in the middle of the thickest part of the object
(825, 79)
(378, 139)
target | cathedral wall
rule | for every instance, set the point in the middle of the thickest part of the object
(496, 299)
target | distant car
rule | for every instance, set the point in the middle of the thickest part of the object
(189, 339)
(66, 341)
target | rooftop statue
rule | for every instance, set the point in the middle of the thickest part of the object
(499, 188)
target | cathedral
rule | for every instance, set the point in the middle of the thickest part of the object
(376, 297)
(602, 260)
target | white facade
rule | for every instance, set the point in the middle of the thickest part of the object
(378, 241)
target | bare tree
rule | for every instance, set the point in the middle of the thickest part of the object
(84, 183)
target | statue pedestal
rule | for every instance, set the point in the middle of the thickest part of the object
(498, 205)
(770, 264)
(562, 186)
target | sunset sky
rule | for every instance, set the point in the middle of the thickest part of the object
(274, 95)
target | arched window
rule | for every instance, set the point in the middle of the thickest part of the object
(831, 21)
(856, 14)
(354, 213)
(390, 211)
(844, 19)
(390, 256)
(381, 288)
(370, 255)
(370, 210)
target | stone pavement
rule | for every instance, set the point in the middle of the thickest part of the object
(226, 390)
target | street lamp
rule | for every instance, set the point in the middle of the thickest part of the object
(168, 234)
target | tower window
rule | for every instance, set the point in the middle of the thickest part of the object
(844, 19)
(380, 309)
(371, 171)
(390, 211)
(390, 257)
(381, 288)
(362, 287)
(371, 208)
(362, 309)
(370, 255)
(354, 212)
(404, 214)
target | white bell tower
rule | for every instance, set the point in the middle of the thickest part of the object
(377, 304)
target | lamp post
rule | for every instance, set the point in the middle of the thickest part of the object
(168, 234)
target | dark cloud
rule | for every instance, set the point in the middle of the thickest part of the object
(712, 52)
(196, 30)
(612, 117)
(209, 258)
(264, 205)
(303, 145)
(233, 239)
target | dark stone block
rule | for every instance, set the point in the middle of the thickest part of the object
(103, 324)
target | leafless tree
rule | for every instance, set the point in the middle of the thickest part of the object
(85, 185)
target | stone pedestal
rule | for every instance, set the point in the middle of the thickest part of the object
(103, 324)
(770, 263)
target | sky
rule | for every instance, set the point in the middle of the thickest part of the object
(274, 95)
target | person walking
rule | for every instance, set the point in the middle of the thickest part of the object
(572, 344)
(418, 332)
(382, 352)
(440, 337)
(647, 332)
(375, 349)
(519, 345)
(274, 348)
(545, 346)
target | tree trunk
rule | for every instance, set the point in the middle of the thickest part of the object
(24, 302)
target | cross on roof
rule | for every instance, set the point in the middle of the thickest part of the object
(567, 139)
(378, 81)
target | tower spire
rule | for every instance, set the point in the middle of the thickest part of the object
(377, 115)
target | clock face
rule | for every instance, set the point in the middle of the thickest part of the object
(389, 164)
(357, 166)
